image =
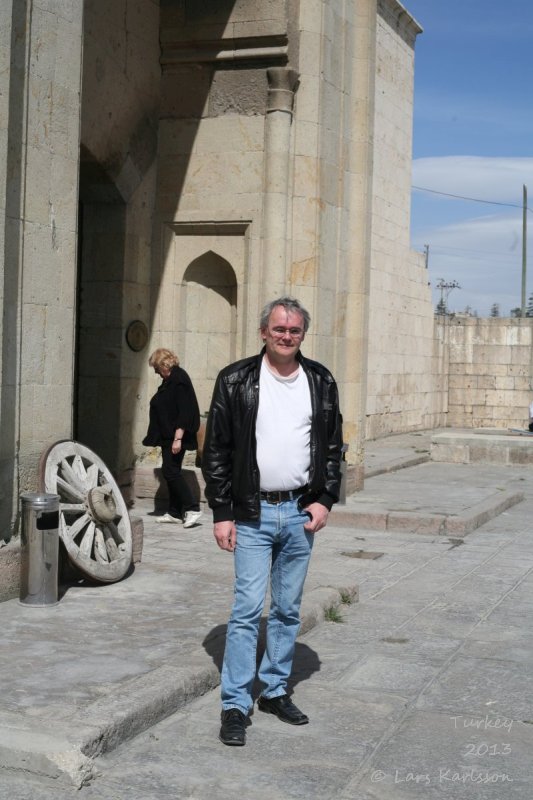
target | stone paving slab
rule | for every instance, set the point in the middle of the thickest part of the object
(61, 740)
(473, 760)
(433, 499)
(110, 661)
(396, 711)
(396, 452)
(315, 760)
(481, 684)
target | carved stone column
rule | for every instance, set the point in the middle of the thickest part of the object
(282, 83)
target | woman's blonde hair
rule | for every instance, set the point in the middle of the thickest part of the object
(163, 358)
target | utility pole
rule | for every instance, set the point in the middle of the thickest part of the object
(445, 288)
(426, 252)
(524, 249)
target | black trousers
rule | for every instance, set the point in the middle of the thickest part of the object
(180, 499)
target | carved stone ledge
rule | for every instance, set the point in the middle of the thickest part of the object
(219, 52)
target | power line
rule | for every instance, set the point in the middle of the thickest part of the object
(446, 247)
(472, 255)
(469, 260)
(471, 199)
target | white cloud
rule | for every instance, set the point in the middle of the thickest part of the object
(484, 255)
(495, 179)
(495, 236)
(478, 245)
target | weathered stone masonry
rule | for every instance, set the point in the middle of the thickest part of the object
(177, 163)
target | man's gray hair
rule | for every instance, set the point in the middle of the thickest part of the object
(290, 304)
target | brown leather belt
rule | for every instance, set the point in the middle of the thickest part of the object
(283, 496)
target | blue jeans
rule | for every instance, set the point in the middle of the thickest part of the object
(277, 546)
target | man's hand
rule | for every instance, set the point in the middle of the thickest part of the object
(226, 535)
(319, 517)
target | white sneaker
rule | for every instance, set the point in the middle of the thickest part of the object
(169, 518)
(191, 518)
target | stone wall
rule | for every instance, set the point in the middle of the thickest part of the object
(178, 164)
(464, 372)
(331, 219)
(258, 174)
(223, 172)
(40, 78)
(119, 138)
(490, 371)
(405, 390)
(9, 219)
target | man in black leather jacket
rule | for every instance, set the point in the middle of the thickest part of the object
(271, 463)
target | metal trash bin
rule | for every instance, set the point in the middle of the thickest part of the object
(39, 549)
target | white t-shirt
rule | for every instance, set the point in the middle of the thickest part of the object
(283, 430)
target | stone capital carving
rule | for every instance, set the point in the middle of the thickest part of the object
(282, 84)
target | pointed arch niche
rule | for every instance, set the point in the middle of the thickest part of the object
(203, 296)
(209, 312)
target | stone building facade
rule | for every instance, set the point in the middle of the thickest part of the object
(168, 166)
(405, 386)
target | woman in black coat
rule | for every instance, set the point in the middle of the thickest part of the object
(174, 422)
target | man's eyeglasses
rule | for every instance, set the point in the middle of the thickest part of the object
(294, 333)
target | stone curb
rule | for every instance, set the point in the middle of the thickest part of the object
(432, 524)
(394, 466)
(67, 750)
(49, 753)
(482, 512)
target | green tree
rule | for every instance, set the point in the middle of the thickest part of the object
(495, 310)
(516, 312)
(529, 309)
(469, 312)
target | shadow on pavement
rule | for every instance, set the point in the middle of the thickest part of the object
(306, 661)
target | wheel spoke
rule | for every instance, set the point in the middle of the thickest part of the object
(70, 476)
(100, 551)
(71, 507)
(79, 468)
(110, 544)
(78, 526)
(63, 528)
(115, 532)
(68, 491)
(86, 544)
(92, 477)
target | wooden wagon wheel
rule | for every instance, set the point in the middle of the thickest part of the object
(94, 524)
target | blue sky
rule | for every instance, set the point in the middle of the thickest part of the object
(473, 137)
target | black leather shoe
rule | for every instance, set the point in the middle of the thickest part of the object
(283, 708)
(233, 728)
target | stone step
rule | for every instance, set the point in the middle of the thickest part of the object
(489, 446)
